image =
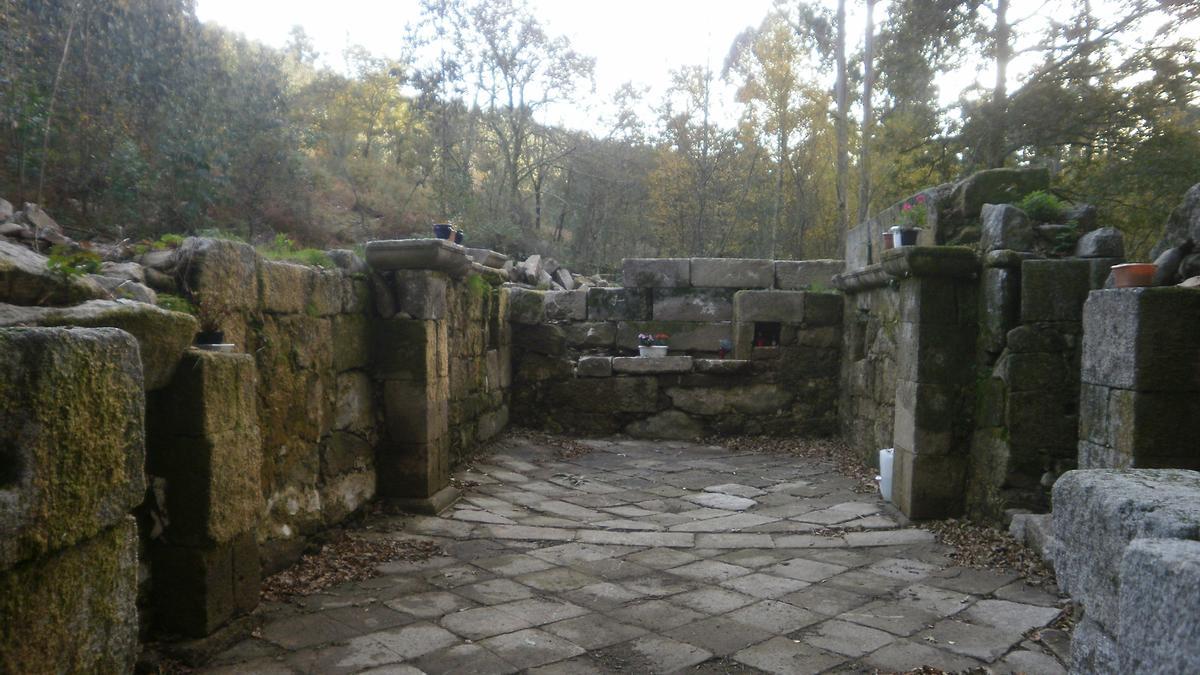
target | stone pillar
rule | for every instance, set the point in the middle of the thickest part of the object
(1140, 391)
(205, 465)
(935, 347)
(71, 455)
(411, 362)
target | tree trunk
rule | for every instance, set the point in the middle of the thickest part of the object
(50, 106)
(868, 121)
(996, 143)
(841, 122)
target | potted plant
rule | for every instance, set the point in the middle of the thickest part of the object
(458, 235)
(652, 345)
(443, 230)
(912, 217)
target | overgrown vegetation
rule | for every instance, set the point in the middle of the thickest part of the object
(67, 262)
(133, 119)
(1043, 207)
(283, 248)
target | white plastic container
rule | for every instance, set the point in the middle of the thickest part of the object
(885, 473)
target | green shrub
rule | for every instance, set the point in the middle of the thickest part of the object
(171, 240)
(1043, 207)
(67, 263)
(175, 303)
(282, 248)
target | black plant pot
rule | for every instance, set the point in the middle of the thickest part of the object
(442, 230)
(458, 236)
(210, 337)
(908, 238)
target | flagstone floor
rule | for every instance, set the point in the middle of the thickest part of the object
(661, 557)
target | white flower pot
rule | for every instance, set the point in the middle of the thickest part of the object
(652, 352)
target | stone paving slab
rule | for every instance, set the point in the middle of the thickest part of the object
(659, 557)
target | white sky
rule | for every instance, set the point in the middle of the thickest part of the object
(632, 40)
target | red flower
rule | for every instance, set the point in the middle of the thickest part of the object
(907, 206)
(920, 199)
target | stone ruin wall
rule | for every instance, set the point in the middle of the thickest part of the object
(573, 372)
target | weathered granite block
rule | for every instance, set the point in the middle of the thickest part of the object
(669, 425)
(1096, 515)
(204, 441)
(656, 272)
(545, 339)
(204, 587)
(600, 334)
(1054, 290)
(1093, 415)
(823, 309)
(750, 399)
(721, 366)
(566, 305)
(420, 293)
(934, 353)
(769, 306)
(928, 486)
(284, 286)
(1159, 628)
(1143, 339)
(1000, 300)
(1036, 371)
(1005, 226)
(74, 611)
(1152, 428)
(409, 349)
(594, 366)
(1093, 649)
(525, 306)
(608, 395)
(72, 440)
(351, 341)
(924, 417)
(219, 273)
(326, 292)
(685, 336)
(416, 412)
(732, 273)
(162, 336)
(700, 304)
(931, 301)
(801, 275)
(637, 365)
(618, 304)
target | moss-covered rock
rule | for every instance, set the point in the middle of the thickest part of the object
(25, 279)
(162, 336)
(73, 611)
(221, 275)
(284, 286)
(71, 436)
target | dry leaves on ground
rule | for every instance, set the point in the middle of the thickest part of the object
(845, 461)
(986, 548)
(346, 558)
(564, 448)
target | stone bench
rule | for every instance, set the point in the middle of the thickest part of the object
(608, 366)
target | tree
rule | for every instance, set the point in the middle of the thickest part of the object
(868, 115)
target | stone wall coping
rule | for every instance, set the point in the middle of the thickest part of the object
(931, 261)
(417, 254)
(644, 366)
(865, 279)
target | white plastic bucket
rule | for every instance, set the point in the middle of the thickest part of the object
(885, 473)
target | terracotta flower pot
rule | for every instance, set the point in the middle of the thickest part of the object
(888, 242)
(1131, 275)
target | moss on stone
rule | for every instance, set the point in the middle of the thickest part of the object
(73, 611)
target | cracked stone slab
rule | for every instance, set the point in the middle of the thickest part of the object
(717, 500)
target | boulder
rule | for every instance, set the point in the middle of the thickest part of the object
(6, 210)
(162, 336)
(45, 227)
(125, 289)
(1183, 223)
(563, 277)
(25, 279)
(530, 271)
(72, 413)
(996, 186)
(15, 230)
(1169, 262)
(1004, 226)
(348, 260)
(1106, 242)
(128, 271)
